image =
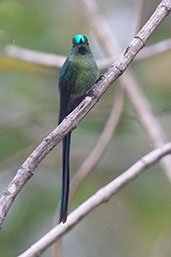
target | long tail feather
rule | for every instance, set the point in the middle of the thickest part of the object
(65, 179)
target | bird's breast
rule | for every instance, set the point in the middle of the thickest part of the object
(86, 75)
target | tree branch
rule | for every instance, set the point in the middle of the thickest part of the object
(71, 121)
(154, 49)
(101, 196)
(139, 7)
(45, 59)
(36, 57)
(136, 97)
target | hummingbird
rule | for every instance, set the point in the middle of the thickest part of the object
(76, 77)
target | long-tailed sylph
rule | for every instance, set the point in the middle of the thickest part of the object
(76, 77)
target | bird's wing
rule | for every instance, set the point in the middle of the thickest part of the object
(66, 82)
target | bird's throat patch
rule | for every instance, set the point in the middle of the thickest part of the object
(82, 50)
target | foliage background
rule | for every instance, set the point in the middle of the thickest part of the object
(136, 222)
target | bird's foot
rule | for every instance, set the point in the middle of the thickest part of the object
(101, 77)
(91, 93)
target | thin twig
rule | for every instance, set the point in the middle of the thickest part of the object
(139, 6)
(147, 52)
(155, 49)
(105, 35)
(71, 121)
(36, 57)
(53, 60)
(137, 13)
(101, 196)
(139, 101)
(45, 59)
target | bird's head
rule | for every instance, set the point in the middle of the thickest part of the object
(80, 45)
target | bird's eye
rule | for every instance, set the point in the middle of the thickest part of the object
(88, 43)
(73, 45)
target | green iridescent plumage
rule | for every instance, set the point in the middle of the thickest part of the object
(76, 77)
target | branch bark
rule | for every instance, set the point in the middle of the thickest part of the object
(71, 121)
(101, 196)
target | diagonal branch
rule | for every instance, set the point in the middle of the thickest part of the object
(71, 121)
(100, 197)
(139, 101)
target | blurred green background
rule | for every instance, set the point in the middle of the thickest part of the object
(136, 221)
